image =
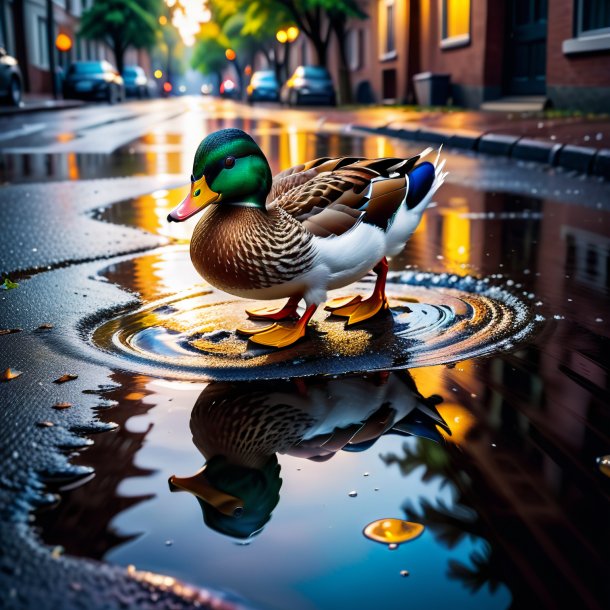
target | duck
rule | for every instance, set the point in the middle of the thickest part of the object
(315, 227)
(239, 428)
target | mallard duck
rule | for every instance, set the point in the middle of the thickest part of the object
(315, 227)
(240, 427)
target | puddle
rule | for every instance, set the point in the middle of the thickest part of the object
(434, 319)
(288, 452)
(495, 457)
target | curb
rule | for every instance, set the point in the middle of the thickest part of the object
(6, 111)
(582, 159)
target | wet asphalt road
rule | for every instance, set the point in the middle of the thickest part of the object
(526, 467)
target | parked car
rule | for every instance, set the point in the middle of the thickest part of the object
(11, 81)
(311, 84)
(94, 80)
(263, 86)
(136, 82)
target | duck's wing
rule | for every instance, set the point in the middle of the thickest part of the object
(304, 172)
(331, 196)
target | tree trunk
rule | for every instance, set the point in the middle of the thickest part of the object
(345, 75)
(119, 54)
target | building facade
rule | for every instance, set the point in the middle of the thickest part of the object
(557, 51)
(24, 34)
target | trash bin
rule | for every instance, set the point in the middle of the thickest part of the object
(432, 89)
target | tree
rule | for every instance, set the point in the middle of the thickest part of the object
(317, 20)
(209, 53)
(338, 23)
(122, 24)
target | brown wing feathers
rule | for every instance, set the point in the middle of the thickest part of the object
(342, 191)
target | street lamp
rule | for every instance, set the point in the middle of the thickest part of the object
(285, 38)
(293, 33)
(63, 43)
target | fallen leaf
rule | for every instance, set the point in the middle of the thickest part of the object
(10, 331)
(9, 374)
(57, 552)
(66, 377)
(45, 326)
(8, 285)
(62, 405)
(45, 424)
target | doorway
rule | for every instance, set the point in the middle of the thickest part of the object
(526, 47)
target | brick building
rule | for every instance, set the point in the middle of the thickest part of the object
(23, 32)
(555, 52)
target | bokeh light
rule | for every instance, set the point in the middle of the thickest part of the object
(187, 17)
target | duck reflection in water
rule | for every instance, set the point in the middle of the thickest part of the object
(240, 427)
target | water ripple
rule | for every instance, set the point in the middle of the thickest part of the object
(434, 319)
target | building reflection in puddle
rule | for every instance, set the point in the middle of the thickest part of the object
(239, 429)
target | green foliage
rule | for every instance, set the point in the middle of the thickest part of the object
(209, 52)
(121, 24)
(8, 285)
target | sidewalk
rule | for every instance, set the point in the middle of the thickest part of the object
(37, 103)
(580, 143)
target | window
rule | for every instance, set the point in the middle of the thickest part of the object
(304, 54)
(591, 26)
(42, 56)
(387, 29)
(593, 17)
(455, 26)
(355, 49)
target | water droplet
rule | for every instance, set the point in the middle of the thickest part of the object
(169, 542)
(599, 319)
(393, 546)
(352, 494)
(404, 573)
(366, 474)
(393, 531)
(604, 464)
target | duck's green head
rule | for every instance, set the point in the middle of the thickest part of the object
(229, 168)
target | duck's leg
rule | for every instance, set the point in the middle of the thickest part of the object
(358, 312)
(282, 336)
(288, 311)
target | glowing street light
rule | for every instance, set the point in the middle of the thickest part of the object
(292, 33)
(63, 42)
(288, 35)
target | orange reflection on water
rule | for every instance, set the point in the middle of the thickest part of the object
(393, 531)
(456, 235)
(459, 419)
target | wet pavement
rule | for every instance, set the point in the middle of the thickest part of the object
(495, 452)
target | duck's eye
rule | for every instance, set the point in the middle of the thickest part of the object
(197, 193)
(229, 162)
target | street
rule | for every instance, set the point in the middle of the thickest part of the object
(488, 431)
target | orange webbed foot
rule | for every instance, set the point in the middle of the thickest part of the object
(341, 302)
(364, 310)
(286, 312)
(279, 336)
